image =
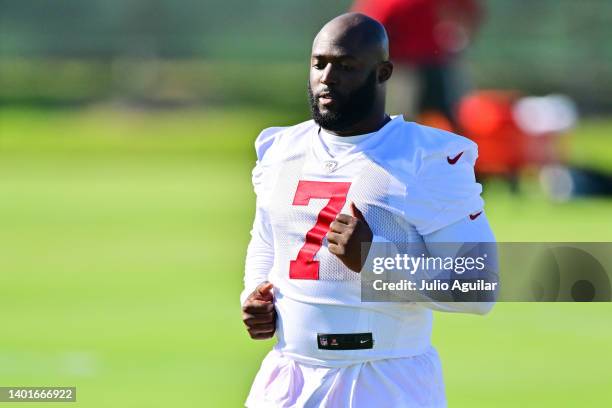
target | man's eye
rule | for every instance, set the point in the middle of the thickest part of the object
(346, 67)
(318, 65)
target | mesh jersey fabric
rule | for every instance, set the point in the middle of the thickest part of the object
(405, 181)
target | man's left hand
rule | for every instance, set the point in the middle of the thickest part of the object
(346, 236)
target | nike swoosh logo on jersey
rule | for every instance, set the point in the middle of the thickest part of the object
(454, 159)
(363, 341)
(474, 216)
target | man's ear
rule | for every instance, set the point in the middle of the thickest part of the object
(385, 69)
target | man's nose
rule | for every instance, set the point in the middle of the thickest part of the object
(328, 76)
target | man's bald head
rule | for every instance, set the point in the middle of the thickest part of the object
(349, 67)
(355, 32)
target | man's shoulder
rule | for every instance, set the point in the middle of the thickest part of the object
(277, 135)
(428, 140)
(415, 142)
(408, 147)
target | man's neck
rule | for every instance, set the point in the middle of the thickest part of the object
(368, 125)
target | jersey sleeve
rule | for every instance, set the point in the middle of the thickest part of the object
(477, 231)
(262, 144)
(260, 255)
(445, 188)
(260, 251)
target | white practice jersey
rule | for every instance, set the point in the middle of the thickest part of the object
(408, 180)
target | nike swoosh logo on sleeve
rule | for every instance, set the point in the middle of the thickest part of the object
(474, 216)
(454, 159)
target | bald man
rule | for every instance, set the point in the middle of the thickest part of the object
(327, 189)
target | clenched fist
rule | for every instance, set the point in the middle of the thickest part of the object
(346, 236)
(258, 312)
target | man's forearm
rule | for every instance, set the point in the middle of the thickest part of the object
(259, 258)
(464, 239)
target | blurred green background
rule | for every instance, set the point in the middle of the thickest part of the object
(126, 133)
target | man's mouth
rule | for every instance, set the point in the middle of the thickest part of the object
(326, 98)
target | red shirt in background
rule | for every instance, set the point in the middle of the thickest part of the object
(424, 32)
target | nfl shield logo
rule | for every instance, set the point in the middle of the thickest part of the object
(323, 341)
(330, 165)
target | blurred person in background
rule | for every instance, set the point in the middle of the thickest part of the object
(426, 38)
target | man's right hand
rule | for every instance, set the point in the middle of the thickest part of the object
(258, 312)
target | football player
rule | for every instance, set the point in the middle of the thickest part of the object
(327, 189)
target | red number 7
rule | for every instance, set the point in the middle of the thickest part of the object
(305, 266)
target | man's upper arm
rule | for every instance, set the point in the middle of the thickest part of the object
(447, 210)
(444, 190)
(260, 252)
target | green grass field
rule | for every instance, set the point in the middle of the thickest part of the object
(122, 242)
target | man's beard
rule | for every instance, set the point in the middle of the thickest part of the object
(348, 111)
